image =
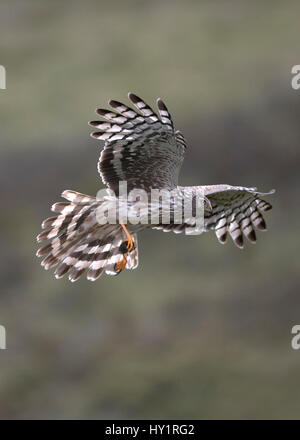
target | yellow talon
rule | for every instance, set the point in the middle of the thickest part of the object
(120, 265)
(130, 244)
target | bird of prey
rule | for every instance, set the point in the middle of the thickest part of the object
(142, 148)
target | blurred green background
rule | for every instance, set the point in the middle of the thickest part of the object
(199, 330)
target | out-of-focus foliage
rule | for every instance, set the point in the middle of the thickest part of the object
(199, 330)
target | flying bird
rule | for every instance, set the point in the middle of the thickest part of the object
(141, 148)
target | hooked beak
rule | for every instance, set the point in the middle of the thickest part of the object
(209, 206)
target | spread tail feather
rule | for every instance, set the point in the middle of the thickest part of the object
(78, 242)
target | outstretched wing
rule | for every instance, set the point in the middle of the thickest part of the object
(236, 211)
(140, 147)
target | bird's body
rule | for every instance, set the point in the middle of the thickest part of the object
(143, 150)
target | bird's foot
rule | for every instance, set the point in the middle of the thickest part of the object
(130, 244)
(126, 247)
(120, 265)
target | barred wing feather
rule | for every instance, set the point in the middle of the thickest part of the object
(141, 147)
(236, 211)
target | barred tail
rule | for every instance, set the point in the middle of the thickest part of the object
(77, 242)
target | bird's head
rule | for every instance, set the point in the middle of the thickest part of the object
(207, 205)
